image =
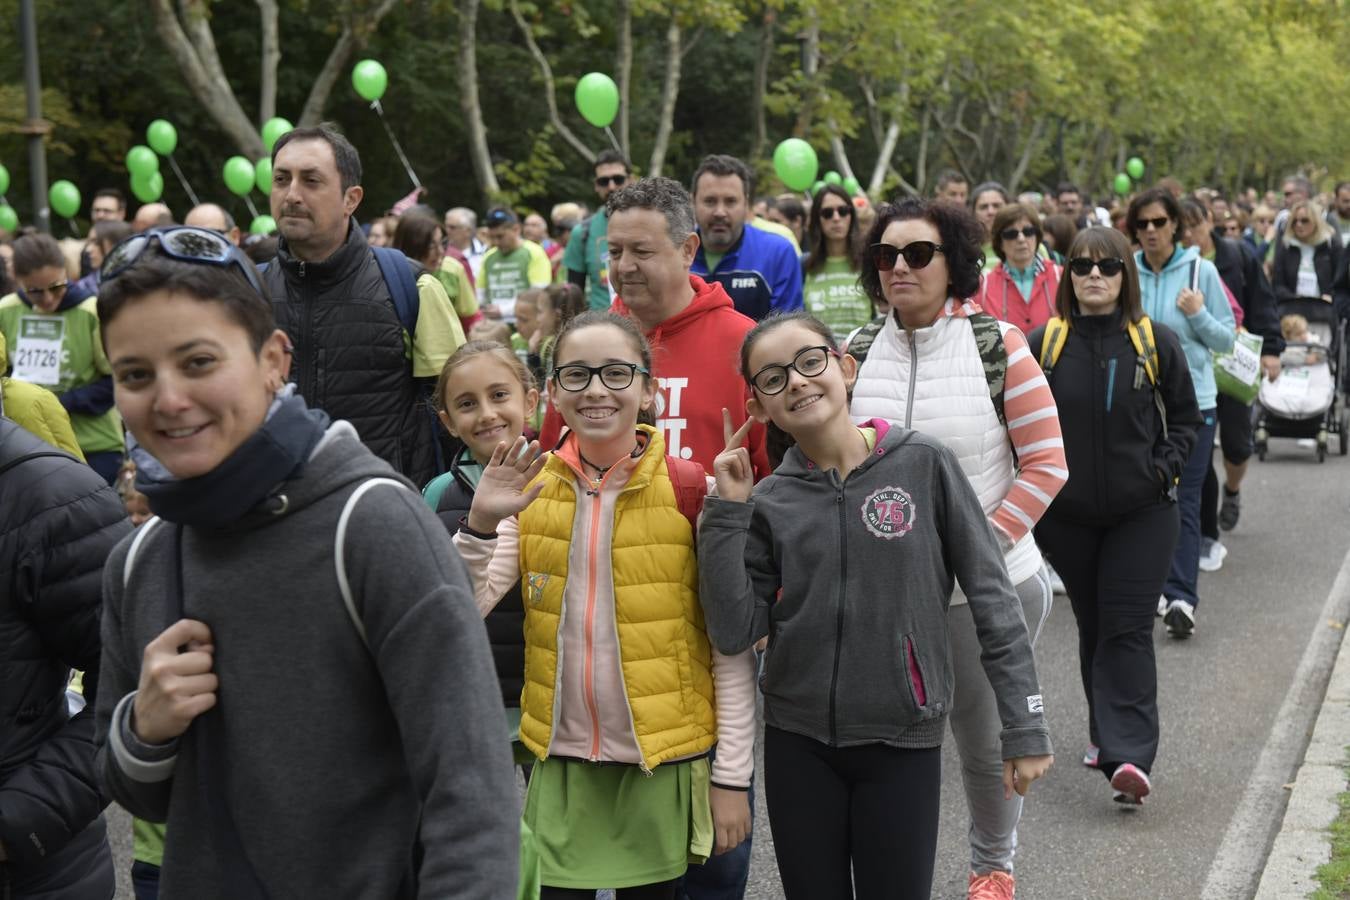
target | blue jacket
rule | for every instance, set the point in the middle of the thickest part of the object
(1212, 328)
(761, 272)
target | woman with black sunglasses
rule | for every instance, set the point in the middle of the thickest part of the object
(1306, 258)
(830, 270)
(292, 644)
(942, 366)
(1021, 288)
(1111, 532)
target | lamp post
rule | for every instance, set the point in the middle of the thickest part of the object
(35, 127)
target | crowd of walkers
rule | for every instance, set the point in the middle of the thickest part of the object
(411, 558)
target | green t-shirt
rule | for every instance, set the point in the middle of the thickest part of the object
(62, 351)
(833, 296)
(506, 275)
(588, 252)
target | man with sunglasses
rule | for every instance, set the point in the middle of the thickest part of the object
(587, 256)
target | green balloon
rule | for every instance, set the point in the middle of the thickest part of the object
(851, 185)
(275, 128)
(263, 225)
(162, 137)
(817, 187)
(597, 99)
(148, 188)
(369, 78)
(1122, 184)
(4, 180)
(141, 160)
(64, 198)
(262, 174)
(833, 178)
(238, 174)
(794, 160)
(9, 219)
(1135, 167)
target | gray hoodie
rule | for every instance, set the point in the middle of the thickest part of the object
(858, 646)
(333, 758)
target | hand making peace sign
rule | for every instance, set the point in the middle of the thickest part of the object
(732, 469)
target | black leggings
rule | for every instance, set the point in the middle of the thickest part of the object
(864, 817)
(665, 890)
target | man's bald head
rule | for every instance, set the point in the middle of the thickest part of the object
(151, 215)
(209, 215)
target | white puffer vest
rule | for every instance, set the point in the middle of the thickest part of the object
(932, 380)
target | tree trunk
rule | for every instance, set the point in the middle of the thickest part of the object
(204, 76)
(670, 90)
(623, 68)
(1033, 142)
(884, 154)
(761, 81)
(353, 38)
(469, 104)
(921, 164)
(838, 150)
(550, 97)
(810, 66)
(271, 59)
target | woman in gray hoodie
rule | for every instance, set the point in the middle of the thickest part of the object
(295, 677)
(844, 558)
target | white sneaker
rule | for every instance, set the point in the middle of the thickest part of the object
(1212, 556)
(1162, 606)
(1180, 619)
(1056, 583)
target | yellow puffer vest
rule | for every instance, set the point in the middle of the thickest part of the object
(665, 656)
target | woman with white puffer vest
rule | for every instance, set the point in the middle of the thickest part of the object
(939, 364)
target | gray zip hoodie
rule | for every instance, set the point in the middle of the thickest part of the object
(858, 646)
(332, 758)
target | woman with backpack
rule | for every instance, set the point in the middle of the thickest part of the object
(1129, 422)
(940, 364)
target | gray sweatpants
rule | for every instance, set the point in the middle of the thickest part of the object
(976, 727)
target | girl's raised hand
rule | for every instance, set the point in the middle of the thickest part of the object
(502, 492)
(732, 469)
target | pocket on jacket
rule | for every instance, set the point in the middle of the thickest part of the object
(914, 677)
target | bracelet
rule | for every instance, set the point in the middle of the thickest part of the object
(471, 532)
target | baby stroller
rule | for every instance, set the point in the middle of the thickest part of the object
(1308, 399)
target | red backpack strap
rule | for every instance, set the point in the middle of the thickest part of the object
(691, 486)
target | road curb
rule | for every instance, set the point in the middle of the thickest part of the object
(1269, 848)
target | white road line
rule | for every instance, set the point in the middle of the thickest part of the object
(1236, 870)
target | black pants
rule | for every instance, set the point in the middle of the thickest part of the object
(1235, 438)
(854, 816)
(665, 890)
(1114, 571)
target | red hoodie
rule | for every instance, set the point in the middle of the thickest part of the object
(696, 354)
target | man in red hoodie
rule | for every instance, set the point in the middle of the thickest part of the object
(694, 330)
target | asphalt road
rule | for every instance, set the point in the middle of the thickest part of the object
(1219, 694)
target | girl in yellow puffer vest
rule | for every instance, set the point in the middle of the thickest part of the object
(624, 696)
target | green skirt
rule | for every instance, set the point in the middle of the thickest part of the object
(611, 826)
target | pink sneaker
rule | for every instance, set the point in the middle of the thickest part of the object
(996, 885)
(1130, 785)
(1090, 756)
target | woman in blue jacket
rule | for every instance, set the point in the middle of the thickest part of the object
(1181, 290)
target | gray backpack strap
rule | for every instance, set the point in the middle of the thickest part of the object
(141, 535)
(861, 342)
(994, 359)
(340, 553)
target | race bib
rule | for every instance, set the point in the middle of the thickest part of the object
(37, 356)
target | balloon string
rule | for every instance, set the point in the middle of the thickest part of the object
(252, 210)
(70, 223)
(192, 195)
(612, 139)
(398, 148)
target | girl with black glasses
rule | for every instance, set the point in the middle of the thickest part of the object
(1111, 532)
(830, 269)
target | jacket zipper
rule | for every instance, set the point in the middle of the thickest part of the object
(839, 615)
(913, 378)
(623, 682)
(588, 667)
(1110, 381)
(310, 375)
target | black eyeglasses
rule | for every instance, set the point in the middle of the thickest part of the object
(184, 243)
(615, 376)
(1158, 223)
(606, 180)
(1110, 266)
(1011, 234)
(917, 254)
(809, 362)
(843, 212)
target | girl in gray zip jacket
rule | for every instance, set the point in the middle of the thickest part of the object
(849, 576)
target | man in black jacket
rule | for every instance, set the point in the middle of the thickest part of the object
(353, 356)
(58, 522)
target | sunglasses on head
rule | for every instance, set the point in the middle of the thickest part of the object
(1158, 223)
(606, 180)
(185, 243)
(1109, 266)
(917, 254)
(1011, 234)
(829, 212)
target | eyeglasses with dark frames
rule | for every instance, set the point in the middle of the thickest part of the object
(809, 362)
(1109, 266)
(917, 254)
(575, 377)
